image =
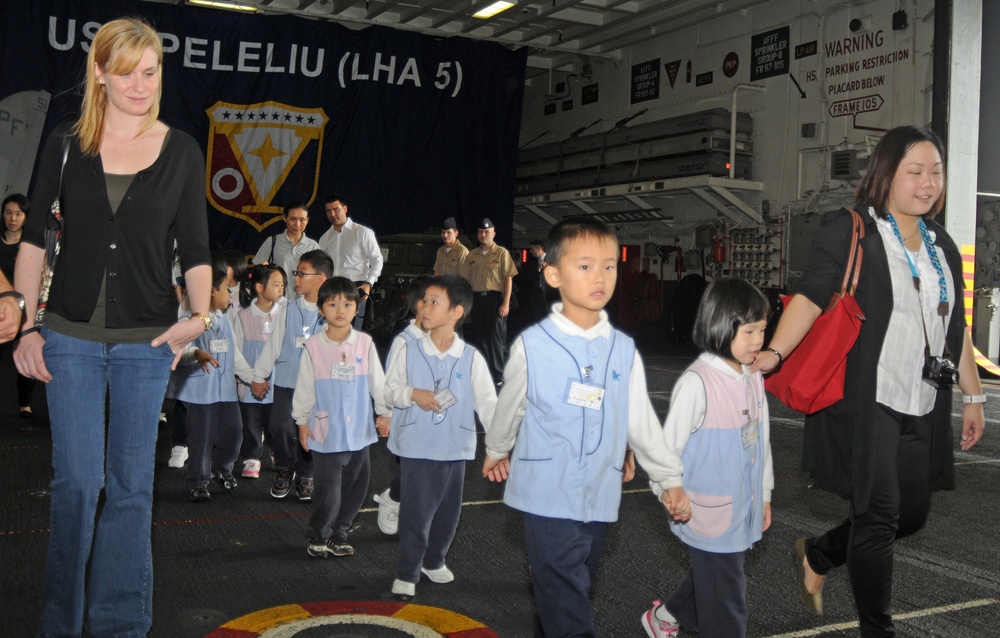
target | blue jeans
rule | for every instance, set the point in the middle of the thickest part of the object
(91, 453)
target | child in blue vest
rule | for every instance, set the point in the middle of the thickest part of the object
(388, 500)
(206, 383)
(436, 385)
(574, 397)
(339, 376)
(721, 477)
(297, 321)
(261, 290)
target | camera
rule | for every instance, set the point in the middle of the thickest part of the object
(940, 372)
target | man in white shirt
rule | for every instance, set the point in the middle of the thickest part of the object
(287, 248)
(354, 251)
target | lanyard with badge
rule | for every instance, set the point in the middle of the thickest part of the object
(217, 345)
(751, 429)
(342, 371)
(585, 393)
(267, 325)
(443, 396)
(300, 340)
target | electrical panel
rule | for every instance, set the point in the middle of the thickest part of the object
(756, 255)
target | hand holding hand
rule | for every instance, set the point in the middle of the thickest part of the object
(496, 470)
(259, 388)
(677, 503)
(382, 425)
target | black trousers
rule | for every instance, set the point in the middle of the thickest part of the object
(487, 331)
(712, 598)
(898, 507)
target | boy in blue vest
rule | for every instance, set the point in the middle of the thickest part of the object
(206, 382)
(435, 385)
(296, 322)
(339, 376)
(388, 500)
(575, 399)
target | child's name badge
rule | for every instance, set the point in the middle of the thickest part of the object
(445, 398)
(585, 396)
(300, 342)
(342, 372)
(218, 346)
(749, 432)
(268, 327)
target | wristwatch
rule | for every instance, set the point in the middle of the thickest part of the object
(966, 398)
(205, 319)
(16, 295)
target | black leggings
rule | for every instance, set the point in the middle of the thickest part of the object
(899, 504)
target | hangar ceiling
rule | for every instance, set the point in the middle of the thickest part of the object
(559, 32)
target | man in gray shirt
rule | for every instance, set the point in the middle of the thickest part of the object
(286, 249)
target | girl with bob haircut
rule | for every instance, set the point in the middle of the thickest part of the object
(130, 189)
(888, 443)
(721, 475)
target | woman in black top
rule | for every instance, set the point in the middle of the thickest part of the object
(15, 210)
(131, 186)
(888, 443)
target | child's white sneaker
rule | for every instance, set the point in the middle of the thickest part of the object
(251, 468)
(403, 588)
(388, 513)
(178, 456)
(441, 575)
(659, 623)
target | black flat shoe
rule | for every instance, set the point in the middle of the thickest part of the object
(26, 413)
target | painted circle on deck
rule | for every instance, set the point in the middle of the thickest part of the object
(390, 619)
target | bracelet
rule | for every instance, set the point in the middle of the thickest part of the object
(205, 319)
(973, 398)
(781, 359)
(28, 331)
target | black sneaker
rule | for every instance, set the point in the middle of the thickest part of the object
(304, 489)
(200, 495)
(340, 546)
(282, 482)
(226, 480)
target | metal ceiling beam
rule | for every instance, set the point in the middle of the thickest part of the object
(441, 33)
(529, 17)
(542, 214)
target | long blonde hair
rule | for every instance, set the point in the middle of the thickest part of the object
(117, 48)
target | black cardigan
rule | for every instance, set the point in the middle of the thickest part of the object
(839, 440)
(134, 245)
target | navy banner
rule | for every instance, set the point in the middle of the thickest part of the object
(410, 129)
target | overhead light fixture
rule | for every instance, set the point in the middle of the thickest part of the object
(493, 9)
(228, 6)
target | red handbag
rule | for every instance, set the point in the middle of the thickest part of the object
(811, 378)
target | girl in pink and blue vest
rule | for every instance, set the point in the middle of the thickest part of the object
(719, 491)
(340, 376)
(261, 291)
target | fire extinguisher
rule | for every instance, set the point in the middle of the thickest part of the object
(718, 249)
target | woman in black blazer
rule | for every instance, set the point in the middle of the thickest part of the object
(887, 444)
